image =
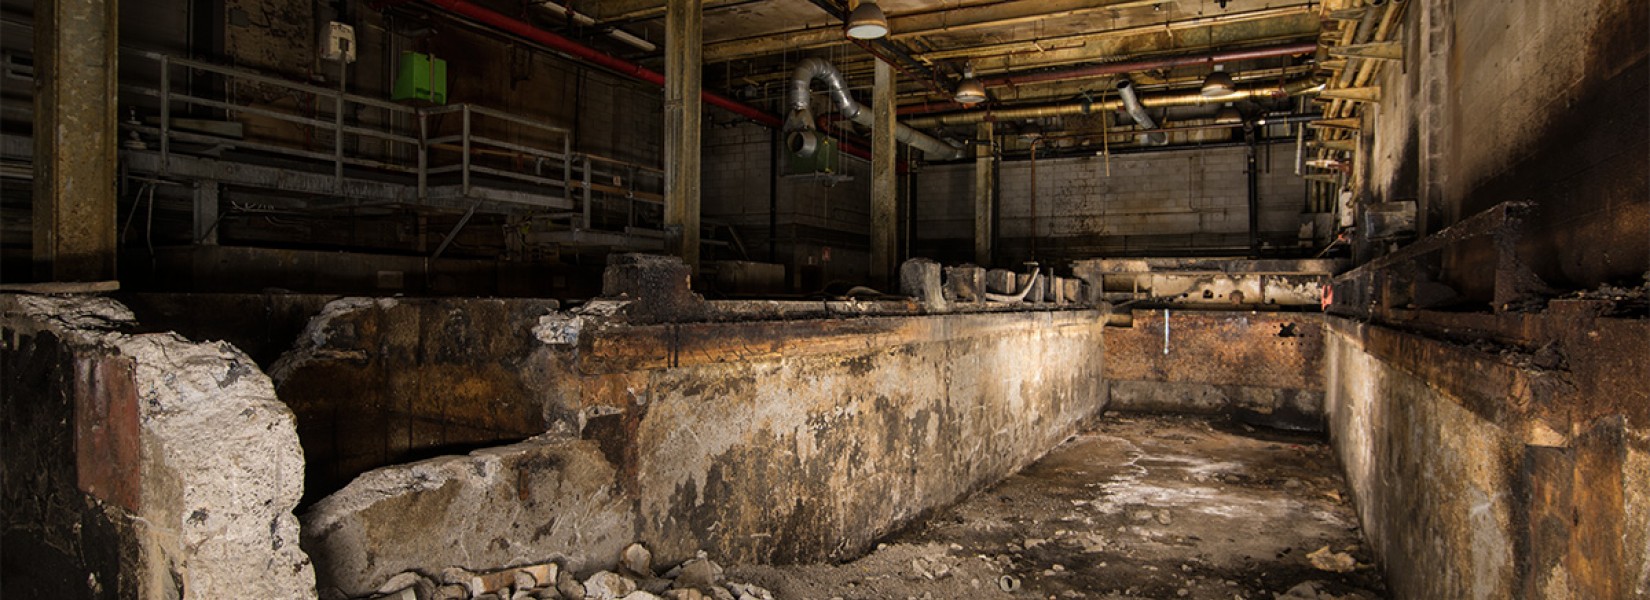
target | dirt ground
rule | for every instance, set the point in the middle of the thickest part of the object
(1139, 507)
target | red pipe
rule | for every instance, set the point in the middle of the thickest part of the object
(596, 57)
(1151, 63)
(619, 65)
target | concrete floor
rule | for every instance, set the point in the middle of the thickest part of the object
(1139, 507)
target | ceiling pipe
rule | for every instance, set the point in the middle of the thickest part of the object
(1170, 62)
(802, 122)
(567, 46)
(1194, 98)
(585, 21)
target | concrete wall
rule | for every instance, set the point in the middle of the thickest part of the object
(1543, 100)
(141, 466)
(769, 441)
(1264, 367)
(1180, 202)
(1479, 475)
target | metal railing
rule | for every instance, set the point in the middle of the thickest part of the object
(469, 163)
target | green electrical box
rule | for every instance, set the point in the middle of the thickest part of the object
(421, 77)
(822, 160)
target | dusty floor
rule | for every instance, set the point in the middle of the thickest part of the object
(1140, 507)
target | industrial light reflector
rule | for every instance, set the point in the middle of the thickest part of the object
(867, 22)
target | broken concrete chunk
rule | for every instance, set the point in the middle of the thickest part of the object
(965, 283)
(451, 591)
(1325, 560)
(661, 286)
(408, 593)
(919, 278)
(637, 560)
(700, 574)
(1001, 281)
(607, 585)
(406, 580)
(640, 595)
(569, 587)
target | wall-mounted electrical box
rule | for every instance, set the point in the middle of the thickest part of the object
(421, 77)
(338, 42)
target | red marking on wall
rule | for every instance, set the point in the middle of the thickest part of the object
(107, 454)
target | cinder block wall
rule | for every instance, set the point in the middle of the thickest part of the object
(1183, 202)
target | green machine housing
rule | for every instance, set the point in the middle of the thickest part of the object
(421, 77)
(824, 159)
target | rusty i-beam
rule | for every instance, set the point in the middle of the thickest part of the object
(75, 44)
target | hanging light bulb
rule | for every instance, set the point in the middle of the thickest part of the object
(1218, 83)
(970, 90)
(867, 22)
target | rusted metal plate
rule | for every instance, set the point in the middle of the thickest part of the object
(106, 436)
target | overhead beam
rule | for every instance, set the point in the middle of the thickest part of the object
(916, 24)
(75, 77)
(1346, 123)
(627, 10)
(1377, 50)
(683, 111)
(1352, 94)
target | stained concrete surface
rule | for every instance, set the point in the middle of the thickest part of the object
(1136, 507)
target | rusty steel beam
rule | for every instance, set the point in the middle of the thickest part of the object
(75, 135)
(683, 111)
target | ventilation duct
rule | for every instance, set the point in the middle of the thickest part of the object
(803, 138)
(1131, 104)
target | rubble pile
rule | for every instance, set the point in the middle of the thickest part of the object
(635, 579)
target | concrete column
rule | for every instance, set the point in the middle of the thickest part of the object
(683, 35)
(884, 188)
(75, 139)
(985, 188)
(206, 213)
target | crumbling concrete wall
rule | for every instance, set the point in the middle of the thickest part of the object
(376, 382)
(141, 466)
(1265, 366)
(1489, 472)
(770, 441)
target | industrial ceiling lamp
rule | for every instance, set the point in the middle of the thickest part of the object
(970, 90)
(1218, 83)
(867, 22)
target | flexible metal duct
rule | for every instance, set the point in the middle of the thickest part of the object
(1131, 104)
(803, 137)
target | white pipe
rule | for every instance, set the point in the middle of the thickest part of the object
(582, 19)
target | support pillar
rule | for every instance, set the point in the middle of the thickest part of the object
(75, 44)
(985, 188)
(683, 108)
(884, 177)
(206, 213)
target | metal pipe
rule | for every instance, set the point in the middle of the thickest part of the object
(801, 122)
(579, 51)
(1086, 107)
(1118, 68)
(584, 20)
(1019, 296)
(1131, 104)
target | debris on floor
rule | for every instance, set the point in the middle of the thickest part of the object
(697, 579)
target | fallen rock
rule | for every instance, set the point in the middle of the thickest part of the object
(637, 561)
(569, 587)
(607, 585)
(686, 594)
(1338, 562)
(700, 574)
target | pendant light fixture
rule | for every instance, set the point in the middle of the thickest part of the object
(970, 90)
(866, 22)
(1218, 83)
